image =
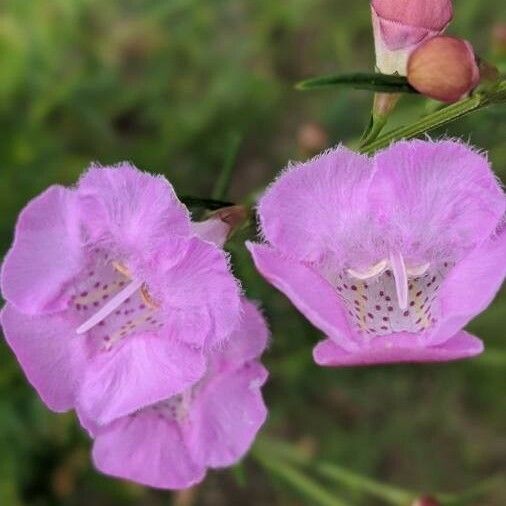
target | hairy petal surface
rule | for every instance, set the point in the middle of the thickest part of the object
(435, 199)
(471, 286)
(461, 345)
(49, 352)
(142, 371)
(248, 341)
(146, 448)
(226, 417)
(201, 298)
(318, 206)
(46, 252)
(132, 210)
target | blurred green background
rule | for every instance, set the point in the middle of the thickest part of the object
(167, 84)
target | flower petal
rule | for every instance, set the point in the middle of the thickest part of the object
(213, 230)
(403, 23)
(461, 345)
(226, 416)
(132, 209)
(143, 370)
(248, 341)
(46, 252)
(50, 354)
(200, 296)
(318, 206)
(471, 286)
(435, 199)
(148, 449)
(311, 294)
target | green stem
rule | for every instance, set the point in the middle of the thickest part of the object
(223, 183)
(393, 495)
(355, 481)
(373, 130)
(440, 117)
(299, 481)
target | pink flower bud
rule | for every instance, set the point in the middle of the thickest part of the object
(444, 68)
(400, 26)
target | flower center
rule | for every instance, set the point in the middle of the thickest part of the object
(111, 304)
(392, 299)
(175, 408)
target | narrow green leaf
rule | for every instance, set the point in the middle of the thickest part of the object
(209, 204)
(361, 81)
(388, 493)
(298, 480)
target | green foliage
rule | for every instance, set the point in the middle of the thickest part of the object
(166, 84)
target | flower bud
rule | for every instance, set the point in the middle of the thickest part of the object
(221, 224)
(444, 68)
(425, 501)
(400, 26)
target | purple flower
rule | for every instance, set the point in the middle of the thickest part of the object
(390, 256)
(172, 443)
(112, 300)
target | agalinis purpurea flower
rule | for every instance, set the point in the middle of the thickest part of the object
(400, 26)
(390, 256)
(171, 443)
(112, 300)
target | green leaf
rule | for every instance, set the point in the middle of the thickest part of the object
(387, 493)
(298, 480)
(440, 117)
(384, 83)
(209, 204)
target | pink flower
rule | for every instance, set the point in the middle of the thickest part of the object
(390, 256)
(400, 26)
(112, 300)
(172, 443)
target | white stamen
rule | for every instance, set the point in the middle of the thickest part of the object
(401, 279)
(108, 308)
(370, 272)
(417, 270)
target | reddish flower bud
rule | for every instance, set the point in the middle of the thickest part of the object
(444, 68)
(400, 26)
(425, 501)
